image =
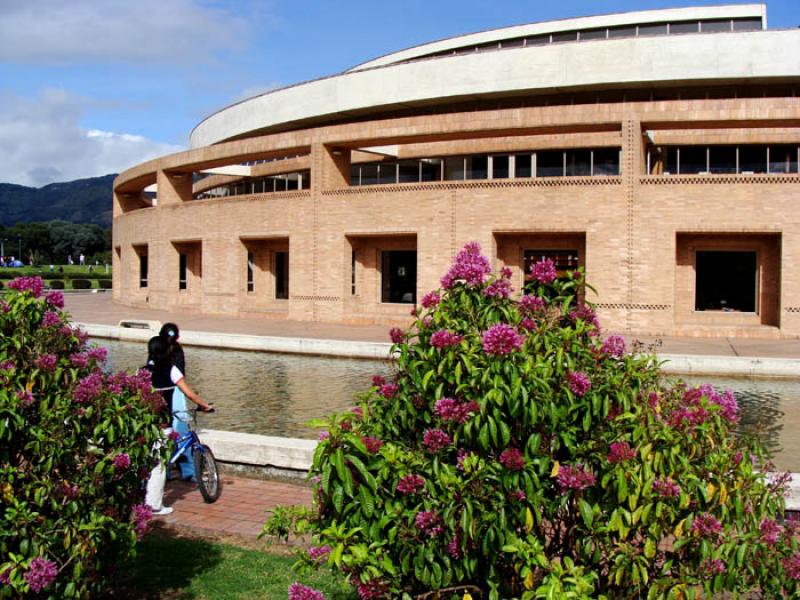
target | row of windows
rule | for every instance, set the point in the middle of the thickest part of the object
(300, 180)
(603, 33)
(583, 162)
(729, 159)
(725, 280)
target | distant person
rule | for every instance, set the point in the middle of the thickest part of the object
(69, 260)
(82, 260)
(60, 269)
(52, 268)
(166, 378)
(91, 268)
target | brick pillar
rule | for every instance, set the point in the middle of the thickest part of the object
(173, 187)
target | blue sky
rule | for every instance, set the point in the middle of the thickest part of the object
(89, 87)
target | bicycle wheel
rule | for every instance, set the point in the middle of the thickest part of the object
(205, 470)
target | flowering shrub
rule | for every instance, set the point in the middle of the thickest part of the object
(74, 449)
(534, 458)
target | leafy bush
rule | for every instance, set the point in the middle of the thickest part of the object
(104, 284)
(74, 449)
(56, 284)
(81, 284)
(518, 451)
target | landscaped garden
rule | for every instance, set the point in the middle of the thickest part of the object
(62, 277)
(516, 453)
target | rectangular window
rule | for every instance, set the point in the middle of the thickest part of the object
(564, 260)
(538, 40)
(500, 167)
(622, 31)
(722, 159)
(282, 275)
(726, 281)
(369, 174)
(355, 174)
(783, 159)
(715, 26)
(687, 27)
(143, 266)
(399, 276)
(565, 36)
(593, 34)
(251, 270)
(550, 163)
(579, 163)
(387, 173)
(454, 168)
(182, 258)
(654, 29)
(605, 161)
(693, 160)
(431, 169)
(353, 273)
(747, 25)
(477, 167)
(522, 165)
(752, 159)
(408, 171)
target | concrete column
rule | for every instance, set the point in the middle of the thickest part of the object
(173, 187)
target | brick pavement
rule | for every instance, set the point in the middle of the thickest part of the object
(240, 510)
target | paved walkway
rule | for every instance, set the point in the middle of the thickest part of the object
(99, 309)
(240, 510)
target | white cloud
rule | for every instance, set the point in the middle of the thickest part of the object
(149, 31)
(41, 141)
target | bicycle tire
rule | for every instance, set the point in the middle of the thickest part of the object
(205, 470)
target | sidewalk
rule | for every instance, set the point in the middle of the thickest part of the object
(99, 309)
(240, 510)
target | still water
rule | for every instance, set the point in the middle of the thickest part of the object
(276, 394)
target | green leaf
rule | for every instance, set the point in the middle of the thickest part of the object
(586, 512)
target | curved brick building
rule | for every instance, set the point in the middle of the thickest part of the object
(657, 149)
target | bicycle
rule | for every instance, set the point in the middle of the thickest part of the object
(205, 465)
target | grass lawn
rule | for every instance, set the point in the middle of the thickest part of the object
(70, 272)
(170, 567)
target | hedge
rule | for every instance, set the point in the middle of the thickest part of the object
(81, 284)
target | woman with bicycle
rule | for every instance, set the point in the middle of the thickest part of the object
(165, 377)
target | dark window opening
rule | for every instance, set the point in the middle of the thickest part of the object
(726, 281)
(431, 169)
(477, 167)
(722, 159)
(251, 269)
(654, 29)
(783, 159)
(605, 161)
(353, 273)
(685, 27)
(387, 173)
(408, 171)
(522, 165)
(282, 275)
(550, 164)
(692, 160)
(182, 258)
(399, 276)
(454, 168)
(752, 159)
(143, 266)
(500, 167)
(579, 163)
(716, 26)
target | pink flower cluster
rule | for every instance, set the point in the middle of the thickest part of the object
(25, 397)
(469, 266)
(429, 522)
(79, 359)
(499, 288)
(410, 484)
(435, 440)
(378, 380)
(574, 478)
(55, 299)
(89, 388)
(50, 319)
(98, 353)
(318, 553)
(585, 314)
(373, 444)
(431, 299)
(389, 390)
(444, 339)
(298, 591)
(544, 271)
(121, 461)
(46, 362)
(512, 459)
(770, 531)
(692, 413)
(502, 339)
(579, 382)
(396, 335)
(454, 547)
(41, 572)
(454, 411)
(791, 566)
(620, 452)
(614, 345)
(530, 303)
(706, 525)
(142, 514)
(34, 285)
(713, 566)
(666, 488)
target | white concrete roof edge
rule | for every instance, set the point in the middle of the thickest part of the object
(640, 17)
(739, 56)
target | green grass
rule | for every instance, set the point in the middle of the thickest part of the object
(180, 568)
(70, 272)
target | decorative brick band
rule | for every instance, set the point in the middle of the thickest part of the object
(628, 306)
(318, 298)
(548, 182)
(719, 179)
(792, 309)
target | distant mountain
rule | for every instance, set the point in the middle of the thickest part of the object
(79, 201)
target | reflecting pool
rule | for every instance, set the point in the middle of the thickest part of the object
(276, 394)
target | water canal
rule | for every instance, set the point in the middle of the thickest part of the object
(276, 394)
